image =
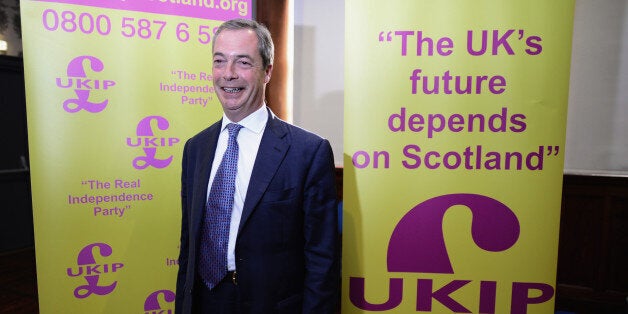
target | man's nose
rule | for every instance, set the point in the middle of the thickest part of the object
(230, 71)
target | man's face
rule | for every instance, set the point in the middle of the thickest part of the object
(239, 76)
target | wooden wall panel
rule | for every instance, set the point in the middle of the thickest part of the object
(593, 245)
(275, 15)
(16, 224)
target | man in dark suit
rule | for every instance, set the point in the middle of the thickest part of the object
(282, 254)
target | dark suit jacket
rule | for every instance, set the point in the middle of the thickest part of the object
(287, 255)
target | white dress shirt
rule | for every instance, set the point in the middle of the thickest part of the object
(248, 139)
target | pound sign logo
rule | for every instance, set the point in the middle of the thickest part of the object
(77, 79)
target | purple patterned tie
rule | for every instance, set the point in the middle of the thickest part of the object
(215, 230)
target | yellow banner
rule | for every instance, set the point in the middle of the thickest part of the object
(113, 90)
(455, 116)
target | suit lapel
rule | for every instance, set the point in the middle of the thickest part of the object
(272, 150)
(207, 149)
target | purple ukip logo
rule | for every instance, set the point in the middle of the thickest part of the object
(79, 80)
(91, 268)
(153, 306)
(150, 143)
(417, 245)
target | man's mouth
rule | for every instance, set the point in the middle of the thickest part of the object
(232, 90)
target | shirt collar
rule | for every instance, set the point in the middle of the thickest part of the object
(255, 122)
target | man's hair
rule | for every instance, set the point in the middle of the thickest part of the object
(265, 44)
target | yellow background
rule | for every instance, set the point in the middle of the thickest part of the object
(68, 148)
(377, 85)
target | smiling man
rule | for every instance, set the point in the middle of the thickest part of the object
(259, 220)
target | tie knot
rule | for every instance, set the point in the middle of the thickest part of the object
(233, 129)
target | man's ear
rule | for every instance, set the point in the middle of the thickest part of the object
(268, 74)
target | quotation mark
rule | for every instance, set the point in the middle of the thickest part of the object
(388, 36)
(553, 150)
